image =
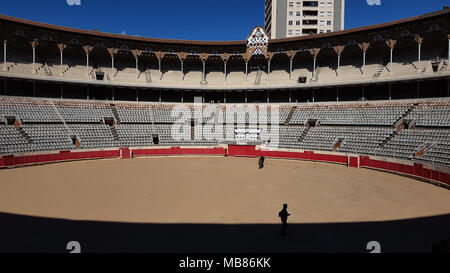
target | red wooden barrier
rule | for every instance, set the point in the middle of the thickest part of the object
(237, 150)
(353, 162)
(233, 150)
(416, 170)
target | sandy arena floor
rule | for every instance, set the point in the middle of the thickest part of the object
(215, 190)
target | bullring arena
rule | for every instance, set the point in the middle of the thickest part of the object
(131, 144)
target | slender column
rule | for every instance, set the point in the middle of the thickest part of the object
(362, 94)
(364, 61)
(112, 63)
(203, 57)
(34, 60)
(225, 57)
(314, 52)
(182, 56)
(225, 69)
(160, 95)
(113, 93)
(339, 62)
(391, 44)
(137, 94)
(364, 47)
(159, 55)
(5, 59)
(112, 52)
(290, 68)
(182, 68)
(392, 51)
(268, 96)
(33, 45)
(246, 70)
(291, 54)
(203, 72)
(314, 68)
(268, 56)
(290, 95)
(419, 41)
(87, 50)
(420, 45)
(337, 93)
(338, 50)
(314, 91)
(137, 54)
(224, 97)
(61, 59)
(137, 67)
(246, 56)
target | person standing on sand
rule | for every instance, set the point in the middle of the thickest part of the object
(261, 162)
(283, 214)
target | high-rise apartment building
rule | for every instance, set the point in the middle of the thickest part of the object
(290, 18)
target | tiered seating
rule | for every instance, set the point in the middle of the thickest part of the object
(47, 137)
(409, 141)
(433, 113)
(94, 135)
(135, 113)
(163, 114)
(345, 114)
(83, 111)
(135, 135)
(358, 128)
(28, 110)
(11, 142)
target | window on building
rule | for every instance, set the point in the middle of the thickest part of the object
(328, 31)
(310, 3)
(299, 4)
(297, 23)
(321, 31)
(291, 13)
(322, 23)
(290, 32)
(291, 4)
(329, 4)
(329, 13)
(299, 13)
(322, 14)
(322, 4)
(290, 23)
(297, 32)
(329, 23)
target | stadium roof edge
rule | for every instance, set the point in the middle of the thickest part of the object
(225, 43)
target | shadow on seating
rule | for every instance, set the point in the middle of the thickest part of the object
(21, 233)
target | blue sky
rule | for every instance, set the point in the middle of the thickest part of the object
(214, 20)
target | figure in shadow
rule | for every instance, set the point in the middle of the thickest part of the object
(261, 162)
(283, 214)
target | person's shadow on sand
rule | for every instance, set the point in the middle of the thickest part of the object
(283, 214)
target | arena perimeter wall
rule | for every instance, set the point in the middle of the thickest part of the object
(411, 169)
